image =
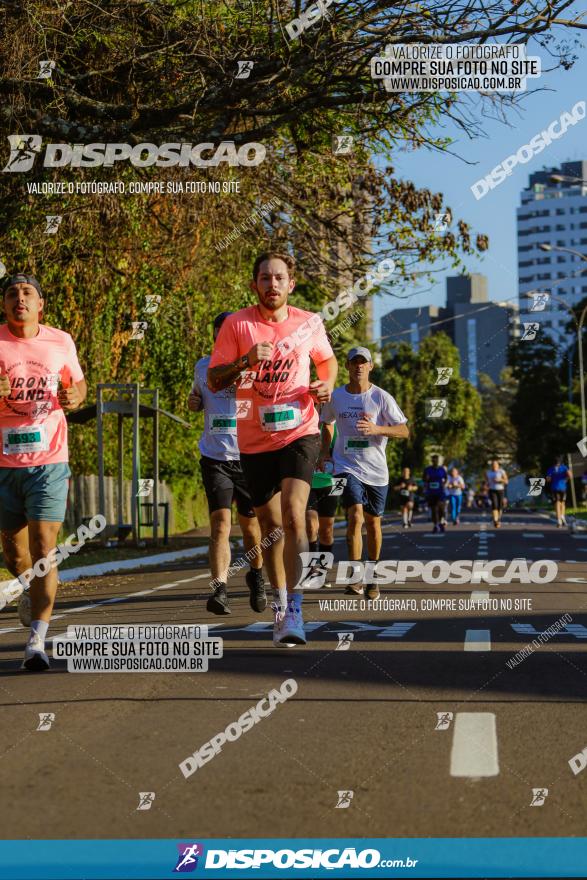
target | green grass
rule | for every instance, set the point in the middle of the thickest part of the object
(93, 553)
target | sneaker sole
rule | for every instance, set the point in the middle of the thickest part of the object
(291, 641)
(285, 644)
(215, 607)
(35, 664)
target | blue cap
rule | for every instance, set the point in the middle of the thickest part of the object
(220, 318)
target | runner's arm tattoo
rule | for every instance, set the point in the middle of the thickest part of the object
(224, 375)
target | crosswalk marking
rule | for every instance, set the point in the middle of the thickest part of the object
(480, 596)
(477, 640)
(395, 631)
(574, 629)
(474, 745)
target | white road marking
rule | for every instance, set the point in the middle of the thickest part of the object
(532, 535)
(474, 745)
(395, 631)
(480, 596)
(477, 640)
(80, 608)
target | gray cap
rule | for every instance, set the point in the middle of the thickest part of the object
(22, 279)
(360, 350)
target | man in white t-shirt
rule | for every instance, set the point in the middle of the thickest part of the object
(498, 480)
(366, 416)
(224, 482)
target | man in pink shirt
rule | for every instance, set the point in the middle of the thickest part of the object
(34, 471)
(267, 349)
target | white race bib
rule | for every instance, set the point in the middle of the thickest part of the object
(221, 423)
(280, 416)
(355, 445)
(32, 438)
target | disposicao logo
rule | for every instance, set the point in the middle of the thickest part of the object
(24, 149)
(188, 855)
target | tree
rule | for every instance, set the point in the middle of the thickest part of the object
(411, 378)
(496, 435)
(545, 422)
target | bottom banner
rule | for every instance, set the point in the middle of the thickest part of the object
(306, 858)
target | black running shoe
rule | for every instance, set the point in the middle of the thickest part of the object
(256, 585)
(218, 603)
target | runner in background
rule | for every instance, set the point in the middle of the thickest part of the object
(497, 480)
(224, 482)
(34, 469)
(407, 489)
(366, 416)
(557, 478)
(455, 487)
(435, 477)
(268, 348)
(320, 513)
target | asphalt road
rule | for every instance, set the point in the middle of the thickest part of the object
(364, 719)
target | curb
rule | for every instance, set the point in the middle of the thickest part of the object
(72, 574)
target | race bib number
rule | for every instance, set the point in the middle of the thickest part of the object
(434, 485)
(30, 439)
(355, 445)
(404, 491)
(222, 424)
(280, 417)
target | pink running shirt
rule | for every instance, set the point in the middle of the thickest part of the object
(33, 428)
(274, 406)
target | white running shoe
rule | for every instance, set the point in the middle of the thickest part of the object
(35, 658)
(9, 591)
(292, 626)
(282, 637)
(278, 627)
(24, 609)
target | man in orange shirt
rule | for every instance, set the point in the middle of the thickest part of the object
(34, 470)
(267, 350)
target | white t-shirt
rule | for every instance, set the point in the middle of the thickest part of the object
(455, 485)
(362, 455)
(218, 438)
(496, 479)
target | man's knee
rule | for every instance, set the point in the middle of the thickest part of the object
(354, 517)
(373, 523)
(294, 518)
(220, 525)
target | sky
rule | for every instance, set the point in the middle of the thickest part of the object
(495, 213)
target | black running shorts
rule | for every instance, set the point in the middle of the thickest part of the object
(559, 495)
(224, 482)
(323, 502)
(496, 496)
(264, 471)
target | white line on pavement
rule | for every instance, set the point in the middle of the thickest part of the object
(477, 640)
(480, 596)
(79, 608)
(474, 745)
